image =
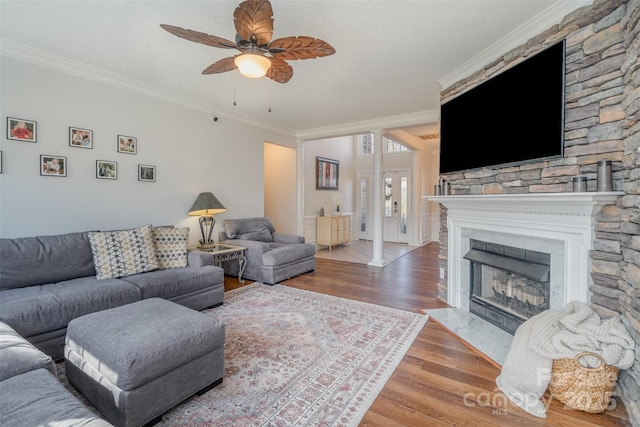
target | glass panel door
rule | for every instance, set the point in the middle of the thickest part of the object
(396, 206)
(396, 187)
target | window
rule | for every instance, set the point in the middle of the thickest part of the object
(388, 207)
(365, 145)
(364, 205)
(392, 146)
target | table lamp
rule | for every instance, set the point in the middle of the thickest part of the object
(338, 201)
(206, 206)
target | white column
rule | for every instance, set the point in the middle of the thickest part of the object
(378, 201)
(300, 187)
(415, 204)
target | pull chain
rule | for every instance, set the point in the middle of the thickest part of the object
(269, 95)
(234, 88)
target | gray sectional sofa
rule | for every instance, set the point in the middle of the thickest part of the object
(47, 281)
(30, 393)
(271, 257)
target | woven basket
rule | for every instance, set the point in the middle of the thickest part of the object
(578, 387)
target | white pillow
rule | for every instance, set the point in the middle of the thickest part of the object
(171, 246)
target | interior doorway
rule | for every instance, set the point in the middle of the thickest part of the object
(397, 193)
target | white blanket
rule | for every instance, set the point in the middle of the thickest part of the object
(558, 334)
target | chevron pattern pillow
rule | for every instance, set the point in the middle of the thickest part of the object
(123, 253)
(171, 246)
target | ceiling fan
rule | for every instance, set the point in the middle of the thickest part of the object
(259, 55)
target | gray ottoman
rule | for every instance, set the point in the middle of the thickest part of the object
(136, 361)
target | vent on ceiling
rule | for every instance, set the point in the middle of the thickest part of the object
(430, 136)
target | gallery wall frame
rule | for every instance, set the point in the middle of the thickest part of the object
(147, 173)
(80, 138)
(22, 129)
(106, 169)
(53, 165)
(127, 144)
(327, 173)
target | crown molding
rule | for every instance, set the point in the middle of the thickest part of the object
(536, 25)
(51, 61)
(386, 123)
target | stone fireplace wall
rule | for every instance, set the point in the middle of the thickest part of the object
(602, 122)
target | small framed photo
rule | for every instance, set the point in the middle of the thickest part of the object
(53, 165)
(21, 129)
(80, 138)
(127, 144)
(0, 161)
(106, 169)
(326, 173)
(146, 173)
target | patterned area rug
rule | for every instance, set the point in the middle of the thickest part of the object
(299, 358)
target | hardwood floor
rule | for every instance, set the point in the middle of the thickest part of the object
(440, 381)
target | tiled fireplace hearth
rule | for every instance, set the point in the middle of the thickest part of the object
(559, 224)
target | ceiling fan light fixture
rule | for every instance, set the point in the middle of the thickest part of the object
(252, 65)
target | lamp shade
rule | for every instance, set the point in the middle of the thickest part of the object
(206, 204)
(252, 65)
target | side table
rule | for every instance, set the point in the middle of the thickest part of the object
(223, 252)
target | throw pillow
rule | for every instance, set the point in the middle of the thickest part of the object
(263, 234)
(123, 253)
(171, 246)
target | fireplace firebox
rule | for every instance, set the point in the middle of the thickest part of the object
(508, 285)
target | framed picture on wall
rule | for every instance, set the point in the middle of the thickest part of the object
(326, 173)
(21, 129)
(127, 144)
(106, 169)
(146, 173)
(53, 165)
(80, 138)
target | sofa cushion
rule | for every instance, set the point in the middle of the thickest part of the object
(176, 281)
(122, 253)
(37, 398)
(171, 246)
(243, 226)
(43, 308)
(27, 261)
(287, 254)
(263, 234)
(18, 356)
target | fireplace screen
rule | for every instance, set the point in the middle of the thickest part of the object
(508, 285)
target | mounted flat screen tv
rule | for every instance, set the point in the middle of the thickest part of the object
(514, 117)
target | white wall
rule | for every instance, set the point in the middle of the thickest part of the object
(343, 150)
(191, 153)
(280, 187)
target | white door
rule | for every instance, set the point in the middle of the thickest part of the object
(396, 206)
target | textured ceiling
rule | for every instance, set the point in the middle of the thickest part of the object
(390, 55)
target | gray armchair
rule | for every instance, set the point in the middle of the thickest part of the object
(271, 257)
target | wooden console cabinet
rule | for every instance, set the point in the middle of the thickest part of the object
(333, 230)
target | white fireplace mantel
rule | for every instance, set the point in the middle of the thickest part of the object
(566, 220)
(572, 204)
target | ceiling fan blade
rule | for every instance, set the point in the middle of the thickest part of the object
(221, 66)
(254, 21)
(198, 37)
(279, 71)
(300, 47)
